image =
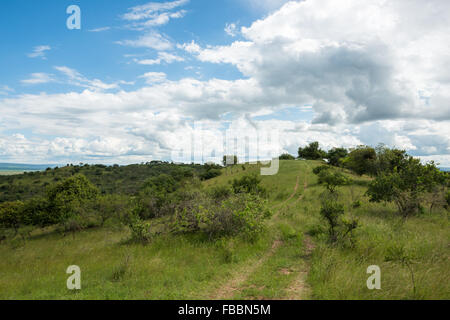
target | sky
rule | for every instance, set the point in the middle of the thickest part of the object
(140, 80)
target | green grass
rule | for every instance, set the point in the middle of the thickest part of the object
(191, 267)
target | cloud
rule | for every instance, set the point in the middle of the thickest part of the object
(100, 29)
(154, 77)
(39, 52)
(162, 57)
(38, 78)
(154, 14)
(152, 40)
(77, 79)
(358, 72)
(352, 67)
(5, 90)
(266, 5)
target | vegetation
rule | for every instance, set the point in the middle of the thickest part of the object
(286, 156)
(167, 231)
(311, 152)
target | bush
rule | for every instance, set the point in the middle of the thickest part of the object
(11, 215)
(249, 184)
(65, 197)
(447, 199)
(220, 193)
(211, 173)
(319, 169)
(406, 185)
(311, 152)
(336, 155)
(361, 160)
(241, 214)
(286, 156)
(332, 211)
(332, 179)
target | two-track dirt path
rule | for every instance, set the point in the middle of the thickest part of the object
(299, 289)
(229, 289)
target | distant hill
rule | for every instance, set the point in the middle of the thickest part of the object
(446, 169)
(24, 167)
(109, 179)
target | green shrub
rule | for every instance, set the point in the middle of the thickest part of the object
(249, 184)
(11, 215)
(66, 197)
(241, 214)
(140, 230)
(406, 185)
(332, 179)
(321, 168)
(220, 192)
(332, 211)
(311, 152)
(286, 156)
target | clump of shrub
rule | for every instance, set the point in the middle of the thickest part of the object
(241, 214)
(220, 193)
(286, 156)
(406, 185)
(330, 178)
(11, 215)
(249, 184)
(140, 230)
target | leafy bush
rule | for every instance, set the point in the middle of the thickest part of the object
(361, 160)
(11, 215)
(140, 230)
(336, 155)
(286, 156)
(66, 196)
(332, 179)
(447, 199)
(311, 152)
(220, 193)
(241, 214)
(211, 173)
(332, 211)
(318, 169)
(406, 185)
(249, 184)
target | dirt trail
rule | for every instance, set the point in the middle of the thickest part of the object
(229, 289)
(299, 289)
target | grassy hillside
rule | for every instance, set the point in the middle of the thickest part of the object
(109, 179)
(291, 260)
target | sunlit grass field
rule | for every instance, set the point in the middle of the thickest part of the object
(291, 260)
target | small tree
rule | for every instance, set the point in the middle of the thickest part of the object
(65, 196)
(330, 178)
(286, 156)
(361, 160)
(248, 184)
(332, 211)
(11, 215)
(311, 152)
(406, 185)
(336, 155)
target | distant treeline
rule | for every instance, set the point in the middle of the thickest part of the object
(115, 179)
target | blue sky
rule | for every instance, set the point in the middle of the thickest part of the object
(26, 26)
(140, 76)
